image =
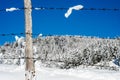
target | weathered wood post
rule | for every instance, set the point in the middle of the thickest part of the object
(30, 68)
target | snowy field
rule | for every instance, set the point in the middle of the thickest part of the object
(12, 72)
(98, 52)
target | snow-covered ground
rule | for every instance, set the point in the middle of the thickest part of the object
(12, 72)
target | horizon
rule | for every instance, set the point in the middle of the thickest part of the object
(81, 36)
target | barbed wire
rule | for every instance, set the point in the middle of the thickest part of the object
(20, 58)
(52, 8)
(47, 35)
(11, 34)
(34, 59)
(34, 34)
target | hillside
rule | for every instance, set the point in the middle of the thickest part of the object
(64, 51)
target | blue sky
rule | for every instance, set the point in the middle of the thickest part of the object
(84, 22)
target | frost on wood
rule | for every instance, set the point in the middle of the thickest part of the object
(30, 75)
(77, 7)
